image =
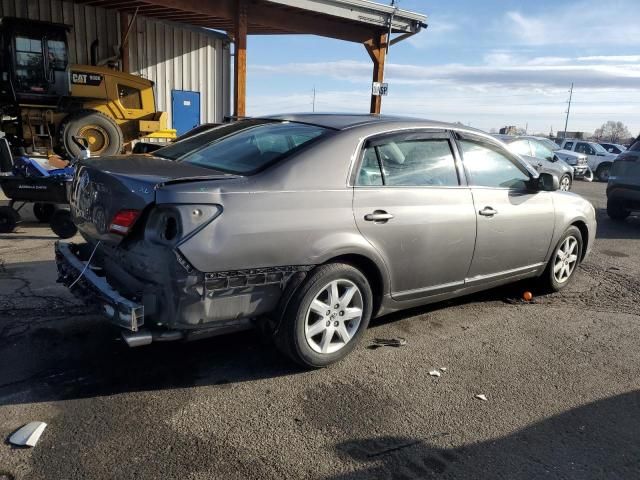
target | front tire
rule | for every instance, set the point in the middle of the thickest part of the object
(327, 316)
(565, 183)
(102, 132)
(602, 173)
(564, 261)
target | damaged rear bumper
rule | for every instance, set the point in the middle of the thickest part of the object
(158, 288)
(95, 290)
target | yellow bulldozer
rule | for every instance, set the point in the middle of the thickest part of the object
(45, 101)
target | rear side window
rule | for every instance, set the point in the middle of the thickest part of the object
(488, 166)
(409, 163)
(568, 146)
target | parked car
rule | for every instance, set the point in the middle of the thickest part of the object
(598, 159)
(577, 161)
(623, 190)
(540, 157)
(613, 148)
(309, 225)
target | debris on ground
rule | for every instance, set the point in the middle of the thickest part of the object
(434, 373)
(481, 396)
(28, 435)
(387, 342)
(527, 296)
(444, 369)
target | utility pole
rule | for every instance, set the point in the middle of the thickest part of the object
(313, 108)
(566, 122)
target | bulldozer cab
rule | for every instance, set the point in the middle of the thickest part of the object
(34, 62)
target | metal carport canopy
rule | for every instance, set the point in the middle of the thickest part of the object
(361, 21)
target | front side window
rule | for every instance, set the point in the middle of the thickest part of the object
(243, 147)
(585, 148)
(409, 162)
(489, 166)
(568, 146)
(29, 64)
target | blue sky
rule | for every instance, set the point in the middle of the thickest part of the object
(485, 63)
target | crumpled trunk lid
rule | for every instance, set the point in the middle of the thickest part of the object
(102, 187)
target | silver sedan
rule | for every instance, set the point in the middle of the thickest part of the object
(307, 226)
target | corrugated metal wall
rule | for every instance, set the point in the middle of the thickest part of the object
(180, 58)
(174, 56)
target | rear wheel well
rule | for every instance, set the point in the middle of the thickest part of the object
(370, 270)
(584, 231)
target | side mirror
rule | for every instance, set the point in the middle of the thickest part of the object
(548, 182)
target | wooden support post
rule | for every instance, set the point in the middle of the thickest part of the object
(124, 42)
(240, 60)
(377, 50)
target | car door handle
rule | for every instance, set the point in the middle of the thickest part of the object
(379, 216)
(488, 212)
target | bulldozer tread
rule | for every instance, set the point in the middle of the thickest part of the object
(72, 124)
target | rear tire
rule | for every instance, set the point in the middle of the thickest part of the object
(62, 224)
(102, 132)
(8, 219)
(602, 173)
(564, 261)
(326, 316)
(616, 210)
(43, 211)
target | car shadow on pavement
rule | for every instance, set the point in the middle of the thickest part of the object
(612, 229)
(594, 441)
(54, 348)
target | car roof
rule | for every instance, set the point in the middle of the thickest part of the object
(343, 121)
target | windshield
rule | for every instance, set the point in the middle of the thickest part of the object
(243, 147)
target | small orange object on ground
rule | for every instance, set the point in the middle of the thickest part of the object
(527, 296)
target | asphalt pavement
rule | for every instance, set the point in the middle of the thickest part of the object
(560, 374)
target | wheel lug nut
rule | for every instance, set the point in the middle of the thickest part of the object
(335, 324)
(341, 313)
(328, 312)
(328, 323)
(336, 306)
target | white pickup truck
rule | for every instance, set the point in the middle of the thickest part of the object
(598, 159)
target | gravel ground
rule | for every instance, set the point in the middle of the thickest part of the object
(559, 373)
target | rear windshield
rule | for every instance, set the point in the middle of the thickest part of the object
(243, 147)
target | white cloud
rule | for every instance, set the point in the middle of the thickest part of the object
(586, 23)
(611, 58)
(506, 89)
(500, 69)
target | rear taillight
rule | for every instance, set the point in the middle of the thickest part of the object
(123, 221)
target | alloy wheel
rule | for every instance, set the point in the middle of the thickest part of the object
(565, 183)
(334, 316)
(566, 259)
